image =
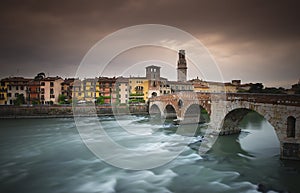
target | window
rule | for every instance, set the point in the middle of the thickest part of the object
(22, 87)
(8, 94)
(9, 87)
(17, 88)
(126, 96)
(291, 123)
(51, 84)
(51, 91)
(2, 84)
(42, 97)
(52, 96)
(16, 94)
(42, 83)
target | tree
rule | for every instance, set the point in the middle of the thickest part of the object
(40, 76)
(100, 100)
(62, 99)
(256, 88)
(19, 100)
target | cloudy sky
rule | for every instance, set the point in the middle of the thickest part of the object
(251, 40)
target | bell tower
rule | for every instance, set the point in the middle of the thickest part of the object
(181, 67)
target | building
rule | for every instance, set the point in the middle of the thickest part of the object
(181, 67)
(50, 89)
(153, 77)
(138, 89)
(122, 90)
(164, 86)
(3, 92)
(178, 86)
(67, 87)
(86, 90)
(106, 89)
(15, 86)
(89, 91)
(33, 92)
(199, 85)
(230, 88)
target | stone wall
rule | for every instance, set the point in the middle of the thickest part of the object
(67, 111)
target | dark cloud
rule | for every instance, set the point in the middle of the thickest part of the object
(53, 36)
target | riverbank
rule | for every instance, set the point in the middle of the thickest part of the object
(16, 112)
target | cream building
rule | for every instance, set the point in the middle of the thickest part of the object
(50, 88)
(122, 90)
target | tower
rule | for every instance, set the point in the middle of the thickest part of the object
(181, 67)
(153, 73)
(153, 77)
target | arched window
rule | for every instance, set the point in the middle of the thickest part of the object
(291, 125)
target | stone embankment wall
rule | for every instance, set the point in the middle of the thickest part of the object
(67, 111)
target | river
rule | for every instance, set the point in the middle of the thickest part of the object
(48, 156)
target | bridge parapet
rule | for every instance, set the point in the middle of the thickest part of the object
(276, 99)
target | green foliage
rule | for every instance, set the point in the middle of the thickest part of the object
(19, 100)
(136, 94)
(138, 100)
(35, 102)
(100, 100)
(40, 76)
(296, 88)
(274, 90)
(259, 88)
(62, 99)
(256, 88)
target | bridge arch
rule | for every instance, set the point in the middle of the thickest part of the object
(196, 112)
(155, 110)
(170, 111)
(230, 123)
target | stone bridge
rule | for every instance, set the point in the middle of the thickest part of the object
(226, 110)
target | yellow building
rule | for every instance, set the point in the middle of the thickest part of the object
(85, 90)
(3, 92)
(15, 86)
(138, 89)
